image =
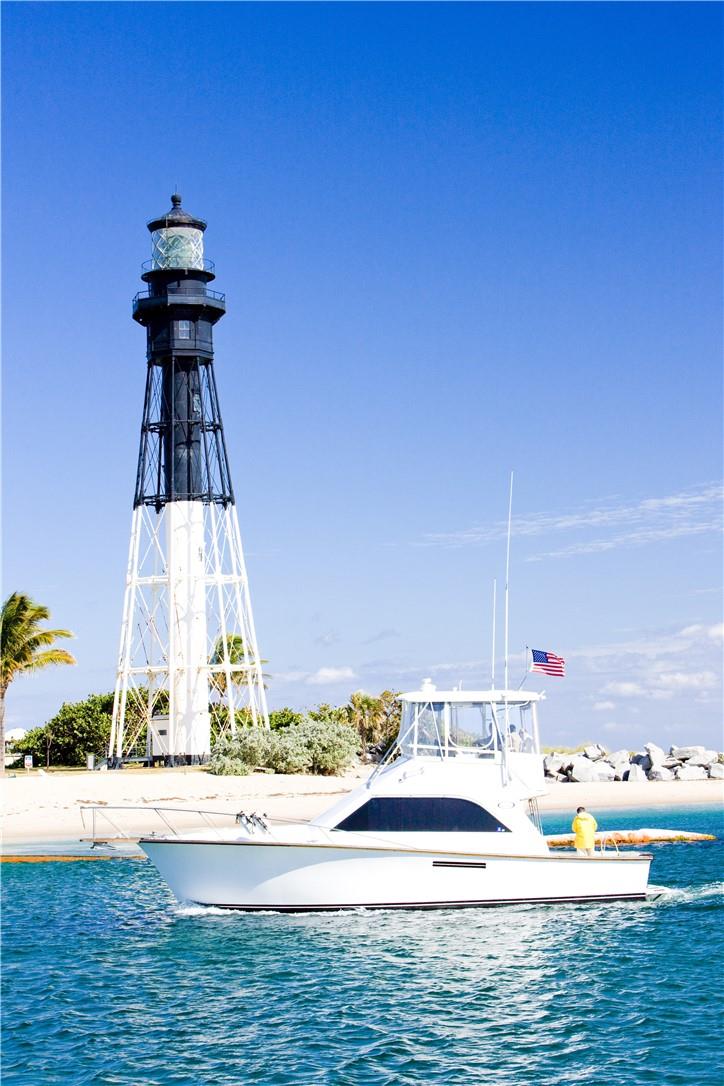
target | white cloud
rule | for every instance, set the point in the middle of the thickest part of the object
(681, 641)
(324, 676)
(685, 664)
(625, 689)
(688, 680)
(603, 706)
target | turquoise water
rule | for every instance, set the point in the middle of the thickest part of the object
(107, 982)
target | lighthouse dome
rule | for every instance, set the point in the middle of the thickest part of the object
(177, 239)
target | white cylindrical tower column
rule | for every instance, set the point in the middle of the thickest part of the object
(189, 720)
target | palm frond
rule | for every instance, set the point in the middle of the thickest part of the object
(22, 638)
(52, 656)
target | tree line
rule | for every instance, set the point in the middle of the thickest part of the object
(83, 727)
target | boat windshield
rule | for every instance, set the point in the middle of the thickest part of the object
(468, 729)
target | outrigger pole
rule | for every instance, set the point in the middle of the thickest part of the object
(492, 649)
(507, 602)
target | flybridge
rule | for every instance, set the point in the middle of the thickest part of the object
(468, 723)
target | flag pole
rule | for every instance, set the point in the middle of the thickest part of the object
(526, 668)
(507, 602)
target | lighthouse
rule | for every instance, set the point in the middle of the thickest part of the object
(188, 651)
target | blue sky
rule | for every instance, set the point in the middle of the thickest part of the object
(456, 240)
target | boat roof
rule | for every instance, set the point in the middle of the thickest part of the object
(428, 692)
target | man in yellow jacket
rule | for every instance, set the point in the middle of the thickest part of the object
(584, 826)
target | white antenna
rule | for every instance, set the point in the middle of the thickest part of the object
(492, 650)
(507, 608)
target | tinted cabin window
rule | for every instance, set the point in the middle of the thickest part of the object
(418, 814)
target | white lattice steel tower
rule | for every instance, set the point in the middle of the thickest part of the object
(188, 647)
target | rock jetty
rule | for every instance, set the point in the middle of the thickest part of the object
(595, 763)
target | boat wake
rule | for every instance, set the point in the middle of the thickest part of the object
(189, 909)
(673, 895)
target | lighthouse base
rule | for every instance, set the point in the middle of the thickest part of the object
(189, 669)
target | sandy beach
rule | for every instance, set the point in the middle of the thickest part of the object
(39, 807)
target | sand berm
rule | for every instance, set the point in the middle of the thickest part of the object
(44, 807)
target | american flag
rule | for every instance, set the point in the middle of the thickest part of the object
(548, 663)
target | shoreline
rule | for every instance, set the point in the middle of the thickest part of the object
(45, 808)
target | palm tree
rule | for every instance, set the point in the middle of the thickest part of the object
(23, 647)
(376, 719)
(237, 655)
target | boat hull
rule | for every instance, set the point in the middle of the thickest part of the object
(298, 878)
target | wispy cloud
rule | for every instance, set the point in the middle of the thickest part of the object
(684, 663)
(638, 538)
(695, 511)
(382, 635)
(662, 644)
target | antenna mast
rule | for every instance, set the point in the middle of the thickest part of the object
(492, 649)
(507, 601)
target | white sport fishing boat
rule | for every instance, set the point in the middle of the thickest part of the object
(449, 818)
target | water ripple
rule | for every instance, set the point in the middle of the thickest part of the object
(108, 982)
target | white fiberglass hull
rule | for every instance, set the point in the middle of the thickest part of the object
(296, 878)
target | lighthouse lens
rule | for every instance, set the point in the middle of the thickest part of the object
(177, 247)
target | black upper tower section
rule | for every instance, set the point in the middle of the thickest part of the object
(182, 456)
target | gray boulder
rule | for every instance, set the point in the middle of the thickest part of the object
(617, 756)
(636, 773)
(642, 759)
(594, 752)
(584, 770)
(684, 753)
(619, 761)
(691, 773)
(671, 763)
(655, 753)
(660, 773)
(706, 758)
(716, 771)
(554, 763)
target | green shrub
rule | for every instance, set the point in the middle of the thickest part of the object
(283, 718)
(328, 714)
(240, 754)
(331, 745)
(288, 753)
(224, 765)
(34, 742)
(78, 728)
(312, 746)
(251, 746)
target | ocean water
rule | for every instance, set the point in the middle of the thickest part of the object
(107, 981)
